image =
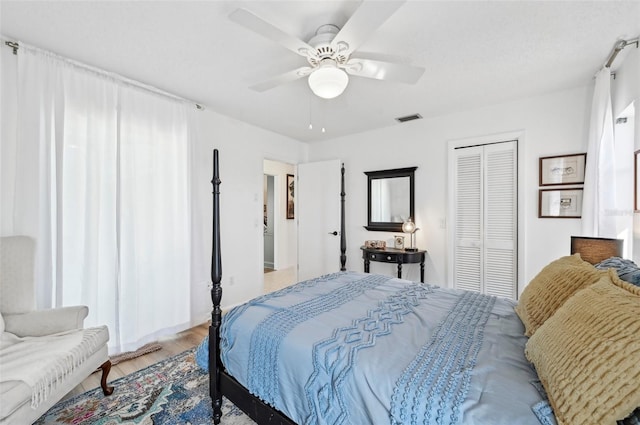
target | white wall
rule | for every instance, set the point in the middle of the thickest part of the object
(553, 124)
(242, 149)
(286, 246)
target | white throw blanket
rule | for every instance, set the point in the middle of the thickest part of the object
(44, 362)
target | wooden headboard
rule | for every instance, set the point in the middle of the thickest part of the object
(594, 250)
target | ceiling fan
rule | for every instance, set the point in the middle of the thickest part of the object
(329, 52)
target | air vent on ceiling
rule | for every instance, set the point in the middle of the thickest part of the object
(409, 118)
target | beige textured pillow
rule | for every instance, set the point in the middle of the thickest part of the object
(588, 354)
(555, 283)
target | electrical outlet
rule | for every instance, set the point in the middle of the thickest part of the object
(232, 280)
(443, 223)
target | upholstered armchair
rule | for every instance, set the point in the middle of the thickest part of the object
(43, 353)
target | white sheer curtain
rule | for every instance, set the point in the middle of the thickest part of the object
(599, 196)
(102, 183)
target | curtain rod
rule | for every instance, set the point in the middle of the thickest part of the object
(617, 48)
(15, 46)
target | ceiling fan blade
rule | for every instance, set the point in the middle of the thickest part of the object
(282, 79)
(366, 19)
(258, 25)
(380, 70)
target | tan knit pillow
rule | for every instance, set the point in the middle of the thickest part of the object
(587, 354)
(552, 287)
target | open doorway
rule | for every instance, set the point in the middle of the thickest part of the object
(268, 224)
(280, 236)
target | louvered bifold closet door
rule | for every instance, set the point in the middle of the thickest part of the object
(485, 211)
(500, 219)
(468, 184)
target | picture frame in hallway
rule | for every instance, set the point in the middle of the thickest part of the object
(560, 203)
(562, 169)
(398, 242)
(291, 206)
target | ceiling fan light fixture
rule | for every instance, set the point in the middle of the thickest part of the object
(328, 81)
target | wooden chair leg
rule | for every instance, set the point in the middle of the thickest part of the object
(106, 368)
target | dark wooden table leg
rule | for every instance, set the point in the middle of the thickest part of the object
(422, 270)
(367, 262)
(399, 270)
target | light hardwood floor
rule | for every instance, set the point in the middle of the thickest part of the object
(279, 279)
(175, 344)
(171, 345)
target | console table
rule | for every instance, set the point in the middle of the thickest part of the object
(392, 255)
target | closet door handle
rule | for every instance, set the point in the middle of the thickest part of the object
(334, 233)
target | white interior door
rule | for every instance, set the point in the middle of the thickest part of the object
(501, 220)
(318, 214)
(469, 199)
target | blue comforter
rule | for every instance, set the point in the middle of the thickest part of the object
(353, 348)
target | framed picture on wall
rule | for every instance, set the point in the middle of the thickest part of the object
(291, 206)
(560, 203)
(636, 185)
(562, 169)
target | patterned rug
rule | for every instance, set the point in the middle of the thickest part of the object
(171, 392)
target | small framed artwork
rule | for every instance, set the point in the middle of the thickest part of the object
(636, 175)
(398, 242)
(563, 169)
(560, 203)
(291, 205)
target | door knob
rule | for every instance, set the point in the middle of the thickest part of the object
(334, 233)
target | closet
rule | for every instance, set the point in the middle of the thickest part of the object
(485, 218)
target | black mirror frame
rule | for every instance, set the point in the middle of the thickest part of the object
(384, 174)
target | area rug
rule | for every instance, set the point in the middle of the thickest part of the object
(173, 391)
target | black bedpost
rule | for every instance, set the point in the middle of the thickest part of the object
(216, 295)
(343, 235)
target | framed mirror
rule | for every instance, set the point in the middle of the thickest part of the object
(390, 198)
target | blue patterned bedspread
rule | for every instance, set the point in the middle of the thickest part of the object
(353, 348)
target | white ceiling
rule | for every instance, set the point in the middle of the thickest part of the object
(475, 53)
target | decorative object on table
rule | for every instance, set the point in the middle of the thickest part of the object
(636, 180)
(410, 227)
(398, 242)
(173, 391)
(562, 169)
(375, 244)
(560, 203)
(290, 196)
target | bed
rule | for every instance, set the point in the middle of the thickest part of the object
(355, 348)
